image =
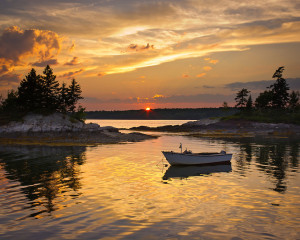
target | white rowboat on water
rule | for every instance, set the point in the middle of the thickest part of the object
(196, 158)
(189, 158)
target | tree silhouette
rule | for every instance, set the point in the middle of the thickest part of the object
(241, 98)
(50, 91)
(10, 102)
(30, 92)
(249, 103)
(264, 100)
(42, 94)
(279, 89)
(74, 94)
(63, 98)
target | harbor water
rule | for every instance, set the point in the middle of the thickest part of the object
(127, 190)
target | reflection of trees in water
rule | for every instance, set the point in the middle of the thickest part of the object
(244, 158)
(44, 172)
(274, 157)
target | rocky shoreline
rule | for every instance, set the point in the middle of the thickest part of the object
(59, 129)
(228, 128)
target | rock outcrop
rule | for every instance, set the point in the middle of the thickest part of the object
(56, 122)
(61, 129)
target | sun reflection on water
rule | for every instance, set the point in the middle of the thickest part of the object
(121, 191)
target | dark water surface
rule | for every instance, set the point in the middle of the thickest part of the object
(124, 191)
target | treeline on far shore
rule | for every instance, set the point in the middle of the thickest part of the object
(164, 114)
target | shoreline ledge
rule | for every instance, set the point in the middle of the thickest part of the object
(228, 128)
(60, 129)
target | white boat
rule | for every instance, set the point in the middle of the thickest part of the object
(189, 158)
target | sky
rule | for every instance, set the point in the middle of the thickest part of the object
(133, 54)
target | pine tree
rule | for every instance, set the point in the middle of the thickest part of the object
(249, 103)
(279, 89)
(30, 92)
(10, 103)
(63, 99)
(241, 98)
(74, 94)
(50, 92)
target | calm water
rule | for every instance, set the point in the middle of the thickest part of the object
(124, 191)
(136, 123)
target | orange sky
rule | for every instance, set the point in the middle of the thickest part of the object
(133, 54)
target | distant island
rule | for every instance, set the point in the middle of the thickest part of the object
(164, 114)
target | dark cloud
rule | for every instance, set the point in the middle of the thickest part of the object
(207, 86)
(135, 47)
(294, 84)
(210, 98)
(16, 43)
(9, 79)
(73, 62)
(4, 68)
(72, 74)
(45, 63)
(252, 12)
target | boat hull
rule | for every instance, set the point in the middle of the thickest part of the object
(196, 159)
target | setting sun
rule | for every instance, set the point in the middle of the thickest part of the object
(148, 109)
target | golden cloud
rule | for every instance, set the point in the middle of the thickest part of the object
(201, 75)
(72, 46)
(158, 96)
(207, 68)
(41, 46)
(16, 44)
(101, 74)
(143, 100)
(213, 61)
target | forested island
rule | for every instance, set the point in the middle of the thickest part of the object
(164, 114)
(41, 111)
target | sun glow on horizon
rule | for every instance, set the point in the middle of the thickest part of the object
(148, 109)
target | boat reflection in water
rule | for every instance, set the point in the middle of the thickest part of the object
(181, 171)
